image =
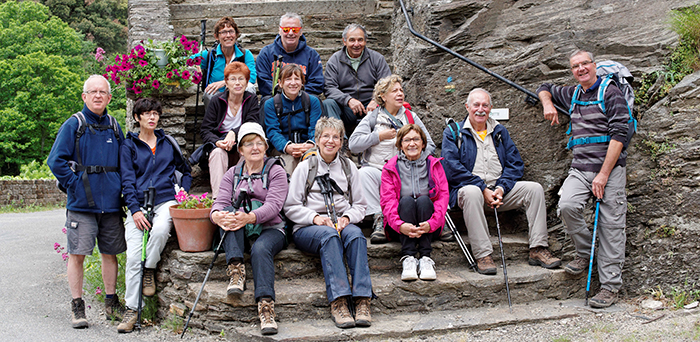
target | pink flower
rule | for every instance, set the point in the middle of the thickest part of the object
(186, 74)
(169, 75)
(181, 196)
(155, 84)
(140, 51)
(56, 246)
(198, 59)
(204, 196)
(64, 256)
(137, 90)
(63, 230)
(143, 63)
(197, 77)
(175, 72)
(99, 54)
(190, 62)
(98, 291)
(183, 40)
(117, 80)
(117, 59)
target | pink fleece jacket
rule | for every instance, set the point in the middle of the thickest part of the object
(390, 194)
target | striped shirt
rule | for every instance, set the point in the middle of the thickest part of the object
(590, 121)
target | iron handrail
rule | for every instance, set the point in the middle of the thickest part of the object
(531, 98)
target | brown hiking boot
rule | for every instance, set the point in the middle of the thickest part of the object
(486, 265)
(149, 282)
(378, 236)
(127, 324)
(603, 299)
(577, 266)
(541, 256)
(341, 315)
(363, 317)
(114, 309)
(78, 319)
(237, 284)
(266, 312)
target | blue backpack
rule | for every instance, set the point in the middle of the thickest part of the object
(609, 71)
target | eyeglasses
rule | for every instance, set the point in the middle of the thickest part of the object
(227, 32)
(294, 30)
(150, 114)
(411, 140)
(237, 79)
(95, 92)
(582, 64)
(258, 144)
(330, 137)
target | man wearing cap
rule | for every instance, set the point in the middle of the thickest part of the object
(484, 169)
(350, 75)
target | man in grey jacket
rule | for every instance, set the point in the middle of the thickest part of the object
(350, 75)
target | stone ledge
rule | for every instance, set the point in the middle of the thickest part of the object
(30, 192)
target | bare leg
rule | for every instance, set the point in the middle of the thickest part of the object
(109, 273)
(75, 275)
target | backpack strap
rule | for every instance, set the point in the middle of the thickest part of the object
(346, 164)
(409, 116)
(211, 57)
(312, 155)
(306, 104)
(269, 163)
(454, 130)
(178, 153)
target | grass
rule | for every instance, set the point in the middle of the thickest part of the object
(32, 208)
(174, 323)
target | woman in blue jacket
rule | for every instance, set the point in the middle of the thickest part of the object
(290, 128)
(147, 159)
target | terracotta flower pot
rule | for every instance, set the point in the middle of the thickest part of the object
(194, 230)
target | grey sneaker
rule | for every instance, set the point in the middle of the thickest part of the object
(378, 236)
(426, 268)
(127, 324)
(114, 309)
(577, 266)
(78, 319)
(410, 265)
(341, 315)
(603, 299)
(237, 284)
(266, 312)
(149, 283)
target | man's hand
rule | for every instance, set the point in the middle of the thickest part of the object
(140, 220)
(293, 150)
(551, 114)
(213, 87)
(493, 199)
(371, 106)
(387, 134)
(598, 185)
(356, 107)
(305, 147)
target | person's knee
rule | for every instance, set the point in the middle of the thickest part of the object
(470, 193)
(569, 207)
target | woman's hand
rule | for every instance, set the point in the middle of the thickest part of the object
(386, 134)
(342, 223)
(225, 220)
(323, 221)
(240, 219)
(213, 87)
(140, 220)
(225, 145)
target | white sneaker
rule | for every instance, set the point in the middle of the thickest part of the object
(410, 265)
(426, 268)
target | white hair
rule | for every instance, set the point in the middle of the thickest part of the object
(291, 15)
(92, 77)
(353, 27)
(475, 90)
(578, 52)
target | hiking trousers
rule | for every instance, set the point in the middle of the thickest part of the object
(612, 219)
(371, 180)
(528, 195)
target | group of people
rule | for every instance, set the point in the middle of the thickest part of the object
(279, 175)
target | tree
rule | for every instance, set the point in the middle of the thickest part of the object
(40, 81)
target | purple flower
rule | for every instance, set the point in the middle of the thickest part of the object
(140, 51)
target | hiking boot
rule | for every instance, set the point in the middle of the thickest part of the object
(78, 319)
(237, 284)
(426, 268)
(410, 265)
(266, 312)
(127, 324)
(603, 299)
(486, 265)
(447, 236)
(149, 282)
(114, 309)
(363, 317)
(577, 266)
(541, 256)
(378, 236)
(341, 315)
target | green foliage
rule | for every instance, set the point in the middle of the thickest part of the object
(33, 170)
(93, 275)
(174, 323)
(19, 207)
(102, 22)
(665, 231)
(655, 149)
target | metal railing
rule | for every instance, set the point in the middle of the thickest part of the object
(531, 97)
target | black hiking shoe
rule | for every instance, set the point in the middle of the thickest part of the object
(114, 309)
(378, 236)
(78, 319)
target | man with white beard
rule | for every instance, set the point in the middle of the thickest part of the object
(484, 168)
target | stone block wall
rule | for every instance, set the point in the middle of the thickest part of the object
(30, 192)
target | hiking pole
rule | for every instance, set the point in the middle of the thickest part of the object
(202, 36)
(503, 259)
(326, 192)
(149, 197)
(276, 73)
(590, 262)
(239, 200)
(451, 225)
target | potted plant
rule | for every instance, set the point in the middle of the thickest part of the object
(154, 68)
(194, 229)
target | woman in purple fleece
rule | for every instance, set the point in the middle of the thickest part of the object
(263, 226)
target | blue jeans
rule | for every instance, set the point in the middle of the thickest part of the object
(324, 241)
(262, 254)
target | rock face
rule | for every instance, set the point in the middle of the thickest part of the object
(529, 42)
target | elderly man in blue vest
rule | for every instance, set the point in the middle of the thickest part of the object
(484, 169)
(597, 168)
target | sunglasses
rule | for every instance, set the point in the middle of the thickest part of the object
(294, 30)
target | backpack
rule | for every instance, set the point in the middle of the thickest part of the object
(305, 107)
(610, 71)
(264, 175)
(77, 165)
(211, 57)
(395, 123)
(345, 164)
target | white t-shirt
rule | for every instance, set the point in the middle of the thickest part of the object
(232, 121)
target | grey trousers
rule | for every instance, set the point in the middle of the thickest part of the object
(611, 222)
(371, 179)
(528, 195)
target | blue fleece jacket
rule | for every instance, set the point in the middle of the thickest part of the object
(306, 57)
(459, 164)
(97, 147)
(217, 71)
(277, 130)
(140, 169)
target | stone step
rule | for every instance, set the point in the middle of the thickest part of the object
(408, 325)
(455, 288)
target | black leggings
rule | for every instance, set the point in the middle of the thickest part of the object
(415, 211)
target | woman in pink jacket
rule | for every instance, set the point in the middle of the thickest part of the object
(414, 198)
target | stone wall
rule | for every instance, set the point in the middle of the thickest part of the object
(30, 192)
